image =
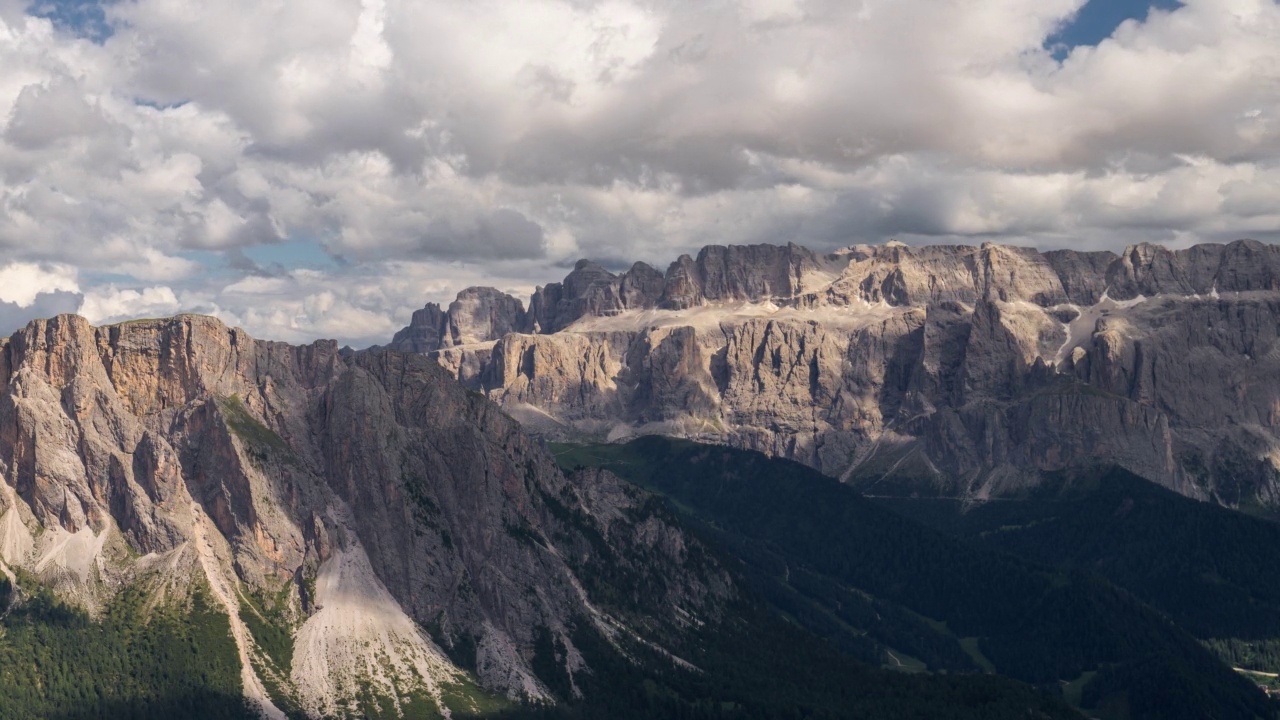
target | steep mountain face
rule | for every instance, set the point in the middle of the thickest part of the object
(378, 536)
(478, 314)
(954, 370)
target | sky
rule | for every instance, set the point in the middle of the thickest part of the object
(321, 168)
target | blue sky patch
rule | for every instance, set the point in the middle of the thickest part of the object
(84, 18)
(1098, 19)
(291, 255)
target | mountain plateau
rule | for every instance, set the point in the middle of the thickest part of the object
(957, 371)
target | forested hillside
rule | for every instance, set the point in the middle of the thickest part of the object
(1209, 569)
(1068, 629)
(140, 660)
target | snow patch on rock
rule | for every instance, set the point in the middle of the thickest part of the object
(1081, 328)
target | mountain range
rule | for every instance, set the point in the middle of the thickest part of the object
(375, 535)
(198, 524)
(942, 482)
(969, 372)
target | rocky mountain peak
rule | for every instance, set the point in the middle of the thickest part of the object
(480, 314)
(426, 331)
(989, 364)
(368, 494)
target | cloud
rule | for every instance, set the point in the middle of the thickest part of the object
(110, 304)
(501, 233)
(22, 283)
(44, 114)
(422, 142)
(13, 316)
(361, 305)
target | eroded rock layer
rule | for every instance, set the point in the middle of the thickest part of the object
(971, 371)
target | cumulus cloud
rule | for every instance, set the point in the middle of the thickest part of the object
(360, 305)
(29, 291)
(22, 283)
(110, 304)
(423, 143)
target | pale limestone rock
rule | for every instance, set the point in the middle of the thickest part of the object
(972, 370)
(483, 314)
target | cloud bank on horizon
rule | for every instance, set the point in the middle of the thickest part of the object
(321, 168)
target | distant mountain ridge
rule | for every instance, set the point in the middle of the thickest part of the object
(954, 370)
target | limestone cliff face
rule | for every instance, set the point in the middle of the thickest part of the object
(478, 314)
(960, 370)
(410, 534)
(426, 332)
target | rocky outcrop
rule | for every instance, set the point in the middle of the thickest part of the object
(592, 291)
(1148, 270)
(478, 315)
(426, 331)
(965, 370)
(409, 536)
(482, 314)
(738, 272)
(718, 274)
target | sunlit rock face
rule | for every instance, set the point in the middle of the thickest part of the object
(406, 535)
(969, 371)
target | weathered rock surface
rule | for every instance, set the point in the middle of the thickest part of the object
(368, 493)
(592, 291)
(478, 314)
(959, 370)
(426, 331)
(483, 313)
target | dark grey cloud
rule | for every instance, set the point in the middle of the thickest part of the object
(500, 234)
(14, 317)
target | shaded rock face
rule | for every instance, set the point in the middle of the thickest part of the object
(426, 331)
(481, 314)
(592, 291)
(755, 272)
(478, 315)
(743, 272)
(961, 370)
(379, 493)
(1242, 266)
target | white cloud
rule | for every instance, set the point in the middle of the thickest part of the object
(361, 306)
(412, 139)
(111, 304)
(22, 283)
